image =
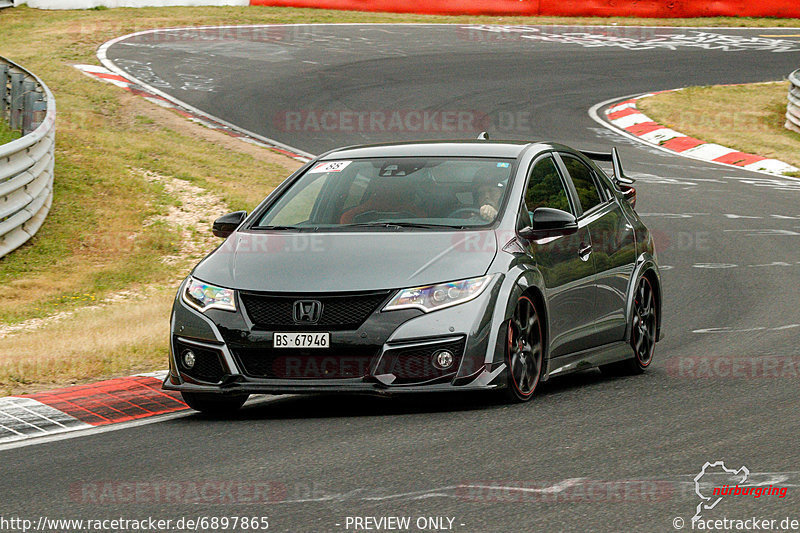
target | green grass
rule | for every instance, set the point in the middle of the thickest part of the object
(7, 134)
(748, 118)
(94, 241)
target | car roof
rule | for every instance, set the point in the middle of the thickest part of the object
(470, 148)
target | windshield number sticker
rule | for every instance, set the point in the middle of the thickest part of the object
(330, 166)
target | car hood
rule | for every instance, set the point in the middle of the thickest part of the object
(325, 262)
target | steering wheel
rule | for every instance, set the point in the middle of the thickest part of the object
(461, 211)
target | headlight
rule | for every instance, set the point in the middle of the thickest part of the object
(203, 296)
(433, 297)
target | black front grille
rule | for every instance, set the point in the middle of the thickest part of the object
(207, 366)
(291, 363)
(339, 312)
(415, 363)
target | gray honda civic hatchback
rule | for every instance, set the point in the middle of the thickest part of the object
(427, 266)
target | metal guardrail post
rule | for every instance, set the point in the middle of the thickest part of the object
(27, 112)
(15, 100)
(27, 163)
(38, 110)
(28, 98)
(3, 92)
(793, 105)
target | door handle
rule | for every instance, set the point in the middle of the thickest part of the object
(585, 251)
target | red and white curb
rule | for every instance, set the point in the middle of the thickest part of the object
(86, 406)
(104, 74)
(626, 118)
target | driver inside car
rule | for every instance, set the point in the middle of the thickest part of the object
(490, 184)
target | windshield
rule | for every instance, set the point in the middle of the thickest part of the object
(428, 192)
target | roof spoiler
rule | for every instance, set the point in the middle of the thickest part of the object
(613, 157)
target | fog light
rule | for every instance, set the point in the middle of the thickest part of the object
(188, 358)
(443, 359)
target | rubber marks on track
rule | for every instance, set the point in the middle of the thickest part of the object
(103, 74)
(627, 117)
(85, 406)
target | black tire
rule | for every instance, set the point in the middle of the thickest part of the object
(214, 404)
(644, 324)
(524, 351)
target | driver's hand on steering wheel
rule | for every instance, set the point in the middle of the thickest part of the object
(488, 212)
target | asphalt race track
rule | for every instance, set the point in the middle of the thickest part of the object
(590, 453)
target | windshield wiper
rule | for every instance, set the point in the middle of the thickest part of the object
(376, 224)
(402, 225)
(283, 228)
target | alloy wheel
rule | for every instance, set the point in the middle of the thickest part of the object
(525, 349)
(643, 330)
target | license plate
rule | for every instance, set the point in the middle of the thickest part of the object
(302, 340)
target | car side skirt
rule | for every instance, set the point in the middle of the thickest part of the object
(591, 358)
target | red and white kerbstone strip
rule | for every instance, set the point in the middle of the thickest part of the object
(86, 406)
(627, 117)
(103, 74)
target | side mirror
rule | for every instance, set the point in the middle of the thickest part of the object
(548, 222)
(227, 224)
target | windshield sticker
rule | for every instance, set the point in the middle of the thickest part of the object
(503, 165)
(330, 166)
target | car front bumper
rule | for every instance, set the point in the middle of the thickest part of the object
(390, 340)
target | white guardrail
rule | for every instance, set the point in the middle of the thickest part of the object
(793, 107)
(26, 164)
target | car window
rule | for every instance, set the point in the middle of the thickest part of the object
(416, 192)
(605, 183)
(355, 195)
(297, 209)
(546, 188)
(583, 180)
